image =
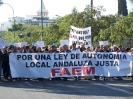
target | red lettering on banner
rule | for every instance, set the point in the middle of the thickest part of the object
(76, 71)
(65, 71)
(55, 70)
(86, 71)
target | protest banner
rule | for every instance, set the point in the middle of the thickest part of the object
(40, 43)
(48, 65)
(33, 43)
(20, 44)
(103, 43)
(64, 42)
(24, 44)
(17, 44)
(80, 36)
(3, 43)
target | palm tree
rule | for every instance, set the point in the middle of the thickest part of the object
(122, 7)
(91, 3)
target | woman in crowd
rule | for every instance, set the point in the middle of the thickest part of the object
(5, 64)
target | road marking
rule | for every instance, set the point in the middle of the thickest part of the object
(121, 85)
(28, 83)
(114, 88)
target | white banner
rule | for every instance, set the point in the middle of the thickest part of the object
(72, 64)
(80, 36)
(24, 44)
(103, 43)
(40, 43)
(3, 43)
(64, 42)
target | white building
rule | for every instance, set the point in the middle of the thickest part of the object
(36, 19)
(29, 19)
(17, 19)
(5, 25)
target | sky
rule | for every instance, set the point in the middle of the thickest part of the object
(55, 7)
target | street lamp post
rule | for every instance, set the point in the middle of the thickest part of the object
(41, 20)
(13, 14)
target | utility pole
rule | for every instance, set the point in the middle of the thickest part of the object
(41, 20)
(91, 4)
(12, 17)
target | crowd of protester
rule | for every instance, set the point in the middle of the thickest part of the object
(5, 52)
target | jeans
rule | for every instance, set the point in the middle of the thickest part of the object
(0, 70)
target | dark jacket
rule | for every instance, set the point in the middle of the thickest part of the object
(5, 61)
(1, 56)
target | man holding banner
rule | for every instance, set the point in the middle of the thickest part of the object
(65, 50)
(75, 50)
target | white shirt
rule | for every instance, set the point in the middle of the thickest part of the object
(75, 51)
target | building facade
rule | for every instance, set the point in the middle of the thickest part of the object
(5, 25)
(36, 19)
(29, 19)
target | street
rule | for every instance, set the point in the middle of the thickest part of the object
(84, 89)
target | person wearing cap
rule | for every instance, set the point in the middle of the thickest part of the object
(65, 50)
(75, 50)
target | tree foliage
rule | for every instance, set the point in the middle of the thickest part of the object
(16, 27)
(61, 28)
(118, 32)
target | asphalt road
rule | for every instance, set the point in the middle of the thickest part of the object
(84, 89)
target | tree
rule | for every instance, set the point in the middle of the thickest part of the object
(16, 27)
(122, 7)
(131, 1)
(119, 32)
(60, 29)
(74, 10)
